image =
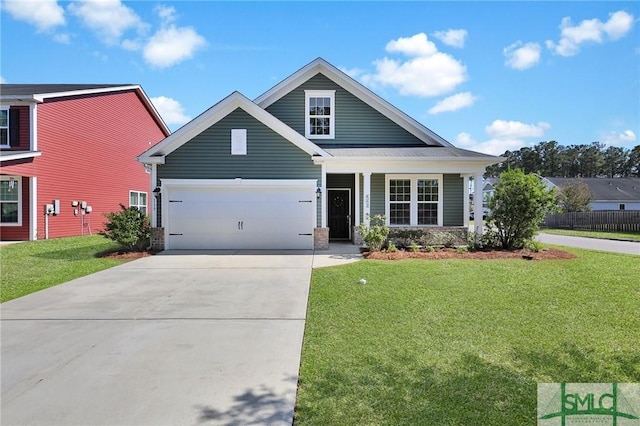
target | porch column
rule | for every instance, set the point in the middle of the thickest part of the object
(465, 201)
(154, 199)
(477, 205)
(323, 198)
(356, 212)
(367, 197)
(33, 208)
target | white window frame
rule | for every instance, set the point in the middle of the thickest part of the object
(414, 197)
(331, 94)
(146, 206)
(238, 141)
(18, 187)
(8, 144)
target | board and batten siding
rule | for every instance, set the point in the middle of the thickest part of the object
(356, 123)
(269, 155)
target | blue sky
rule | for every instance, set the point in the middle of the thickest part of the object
(487, 76)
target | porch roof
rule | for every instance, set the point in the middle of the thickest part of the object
(409, 152)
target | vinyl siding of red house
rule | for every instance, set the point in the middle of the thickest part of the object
(89, 146)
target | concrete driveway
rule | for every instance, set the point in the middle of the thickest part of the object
(180, 338)
(628, 247)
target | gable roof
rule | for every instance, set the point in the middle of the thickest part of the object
(606, 189)
(36, 93)
(216, 113)
(355, 88)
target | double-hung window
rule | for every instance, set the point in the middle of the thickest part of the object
(10, 200)
(138, 199)
(414, 200)
(320, 114)
(4, 126)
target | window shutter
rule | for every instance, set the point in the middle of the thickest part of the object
(14, 124)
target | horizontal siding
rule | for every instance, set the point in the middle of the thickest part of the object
(377, 194)
(89, 147)
(269, 155)
(453, 199)
(356, 123)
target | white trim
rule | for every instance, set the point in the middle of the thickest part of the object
(33, 213)
(331, 94)
(366, 196)
(413, 178)
(356, 212)
(153, 183)
(218, 112)
(238, 141)
(465, 203)
(478, 201)
(18, 180)
(18, 155)
(358, 90)
(409, 166)
(33, 126)
(350, 211)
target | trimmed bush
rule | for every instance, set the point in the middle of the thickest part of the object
(128, 227)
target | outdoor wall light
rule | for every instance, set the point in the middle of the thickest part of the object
(156, 191)
(318, 192)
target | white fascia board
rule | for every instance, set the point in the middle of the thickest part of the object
(356, 89)
(217, 113)
(40, 97)
(150, 160)
(17, 100)
(19, 155)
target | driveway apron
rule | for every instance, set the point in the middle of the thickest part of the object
(180, 338)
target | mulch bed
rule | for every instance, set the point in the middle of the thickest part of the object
(548, 254)
(128, 255)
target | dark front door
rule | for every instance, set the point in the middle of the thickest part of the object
(339, 201)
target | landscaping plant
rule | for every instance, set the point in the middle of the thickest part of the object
(518, 207)
(375, 235)
(128, 227)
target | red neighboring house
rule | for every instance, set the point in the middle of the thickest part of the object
(68, 155)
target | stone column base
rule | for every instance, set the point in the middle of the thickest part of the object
(357, 238)
(157, 238)
(321, 239)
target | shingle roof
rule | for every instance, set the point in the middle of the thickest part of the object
(407, 152)
(32, 89)
(613, 189)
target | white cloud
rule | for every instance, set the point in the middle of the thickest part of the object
(171, 111)
(417, 45)
(453, 103)
(166, 13)
(502, 129)
(353, 72)
(62, 38)
(590, 30)
(428, 72)
(522, 56)
(172, 45)
(43, 14)
(110, 19)
(504, 136)
(620, 138)
(453, 38)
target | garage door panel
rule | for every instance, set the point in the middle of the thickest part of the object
(248, 217)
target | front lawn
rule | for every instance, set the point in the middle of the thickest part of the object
(463, 342)
(625, 236)
(34, 265)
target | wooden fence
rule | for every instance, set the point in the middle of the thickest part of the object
(599, 220)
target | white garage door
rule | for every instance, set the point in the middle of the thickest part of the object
(240, 216)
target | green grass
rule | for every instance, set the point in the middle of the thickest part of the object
(463, 342)
(32, 266)
(627, 236)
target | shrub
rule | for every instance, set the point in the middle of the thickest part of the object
(429, 249)
(391, 248)
(518, 206)
(375, 235)
(128, 227)
(414, 247)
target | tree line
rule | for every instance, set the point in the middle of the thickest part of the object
(550, 159)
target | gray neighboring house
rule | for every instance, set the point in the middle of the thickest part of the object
(608, 193)
(303, 164)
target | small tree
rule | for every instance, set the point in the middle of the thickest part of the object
(574, 197)
(518, 206)
(375, 235)
(128, 227)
